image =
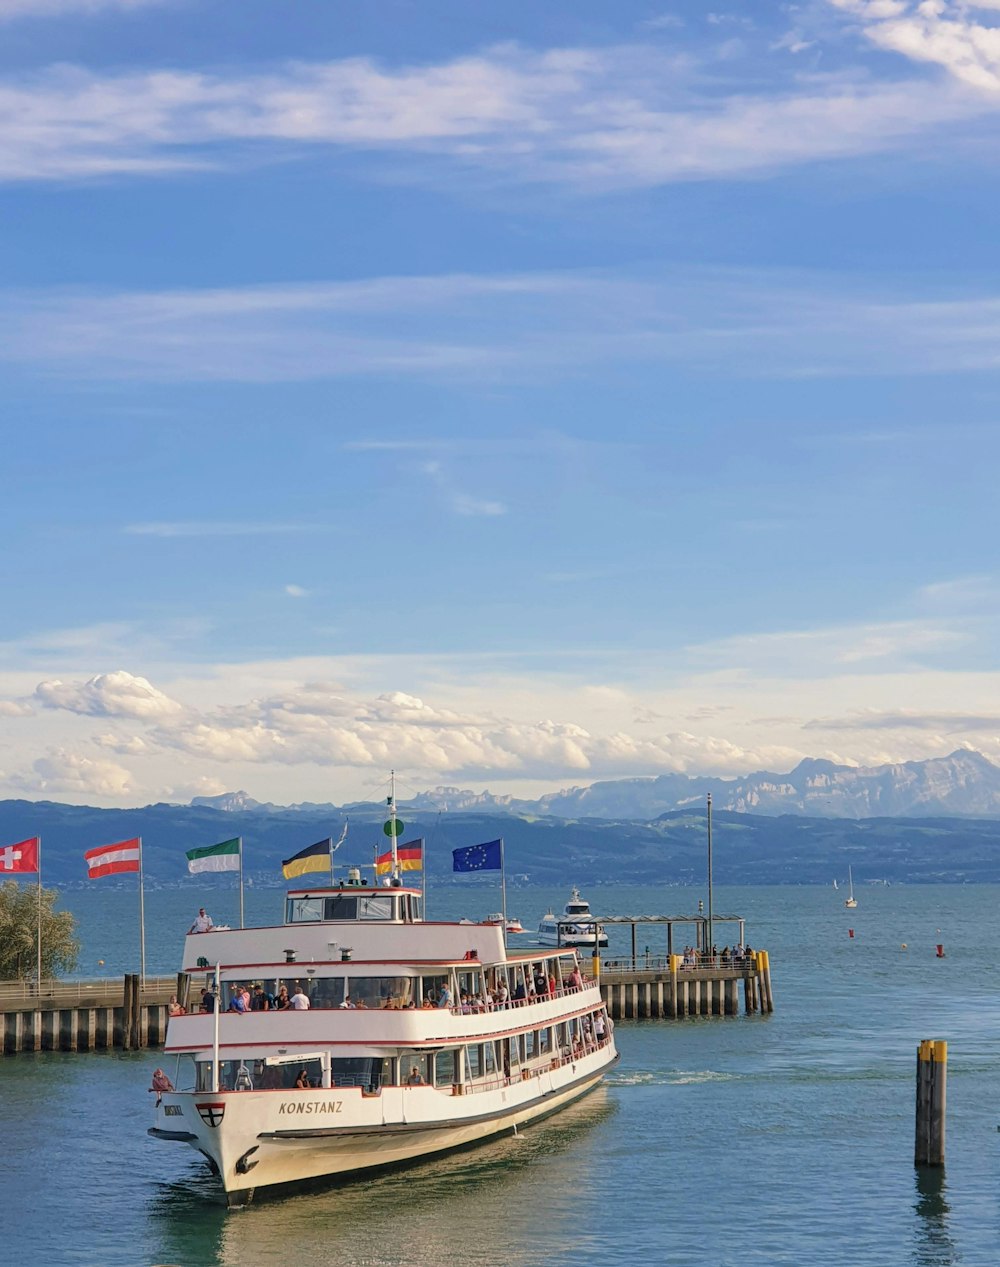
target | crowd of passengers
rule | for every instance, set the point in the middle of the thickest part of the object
(525, 987)
(727, 957)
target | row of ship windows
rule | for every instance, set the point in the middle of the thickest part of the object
(485, 1062)
(474, 987)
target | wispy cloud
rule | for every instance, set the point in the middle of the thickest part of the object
(592, 117)
(10, 10)
(206, 528)
(464, 326)
(941, 723)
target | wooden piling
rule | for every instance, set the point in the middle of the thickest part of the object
(932, 1087)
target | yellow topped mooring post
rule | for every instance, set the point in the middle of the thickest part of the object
(932, 1086)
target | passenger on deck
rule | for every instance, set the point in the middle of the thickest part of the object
(444, 996)
(174, 1008)
(541, 982)
(302, 1081)
(416, 1078)
(260, 1001)
(236, 1003)
(202, 922)
(299, 1001)
(576, 978)
(282, 1002)
(208, 999)
(160, 1083)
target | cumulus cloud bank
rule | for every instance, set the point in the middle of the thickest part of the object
(117, 694)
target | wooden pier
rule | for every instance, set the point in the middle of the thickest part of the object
(674, 990)
(65, 1017)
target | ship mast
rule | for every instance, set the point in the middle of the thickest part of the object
(393, 828)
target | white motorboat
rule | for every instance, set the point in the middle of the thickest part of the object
(514, 925)
(575, 927)
(404, 1040)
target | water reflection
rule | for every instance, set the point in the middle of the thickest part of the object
(502, 1202)
(934, 1246)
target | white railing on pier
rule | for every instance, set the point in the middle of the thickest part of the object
(97, 990)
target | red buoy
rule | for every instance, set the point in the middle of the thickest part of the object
(850, 932)
(940, 951)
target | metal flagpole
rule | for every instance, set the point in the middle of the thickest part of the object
(710, 935)
(215, 1032)
(503, 893)
(39, 860)
(242, 925)
(142, 923)
(392, 821)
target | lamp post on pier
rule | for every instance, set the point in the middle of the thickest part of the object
(709, 933)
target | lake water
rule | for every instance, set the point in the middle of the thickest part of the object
(745, 1141)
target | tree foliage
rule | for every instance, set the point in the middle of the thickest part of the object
(19, 906)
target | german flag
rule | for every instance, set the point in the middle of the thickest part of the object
(409, 857)
(315, 858)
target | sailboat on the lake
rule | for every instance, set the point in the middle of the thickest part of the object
(850, 899)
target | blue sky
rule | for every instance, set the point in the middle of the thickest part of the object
(514, 395)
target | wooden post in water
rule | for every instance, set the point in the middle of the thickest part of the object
(932, 1086)
(138, 1038)
(127, 1013)
(766, 976)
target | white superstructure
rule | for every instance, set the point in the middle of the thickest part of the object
(575, 927)
(417, 1038)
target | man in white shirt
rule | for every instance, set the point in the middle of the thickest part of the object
(300, 1001)
(202, 922)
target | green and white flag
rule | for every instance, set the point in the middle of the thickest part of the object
(224, 857)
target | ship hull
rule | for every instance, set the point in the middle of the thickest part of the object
(266, 1146)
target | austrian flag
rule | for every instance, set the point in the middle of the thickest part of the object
(19, 857)
(111, 859)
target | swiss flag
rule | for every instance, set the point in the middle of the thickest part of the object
(19, 857)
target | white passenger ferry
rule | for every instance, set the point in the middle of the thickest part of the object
(574, 927)
(406, 1039)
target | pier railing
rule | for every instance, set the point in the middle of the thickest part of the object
(97, 990)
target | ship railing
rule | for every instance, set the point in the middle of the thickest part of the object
(477, 1009)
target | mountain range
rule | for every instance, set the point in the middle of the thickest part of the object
(611, 832)
(963, 783)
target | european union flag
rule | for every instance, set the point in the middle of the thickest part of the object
(488, 857)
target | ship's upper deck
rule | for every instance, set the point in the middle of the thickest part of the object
(348, 921)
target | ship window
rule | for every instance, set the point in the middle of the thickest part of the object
(304, 910)
(474, 1061)
(378, 907)
(489, 1060)
(375, 992)
(369, 1072)
(544, 1040)
(432, 987)
(341, 907)
(530, 1041)
(444, 1068)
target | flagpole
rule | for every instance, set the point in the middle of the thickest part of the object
(215, 1032)
(39, 860)
(503, 891)
(242, 925)
(392, 820)
(142, 923)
